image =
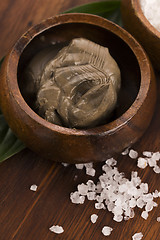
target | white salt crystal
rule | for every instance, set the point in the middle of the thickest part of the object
(94, 218)
(118, 201)
(155, 194)
(99, 198)
(82, 189)
(156, 169)
(151, 11)
(155, 204)
(137, 236)
(79, 166)
(132, 203)
(123, 188)
(88, 165)
(118, 218)
(144, 215)
(133, 191)
(56, 229)
(134, 174)
(107, 230)
(106, 168)
(104, 194)
(125, 152)
(65, 164)
(136, 181)
(90, 171)
(91, 185)
(140, 203)
(76, 198)
(144, 187)
(98, 188)
(158, 219)
(133, 154)
(156, 156)
(91, 196)
(132, 214)
(33, 187)
(147, 197)
(149, 206)
(147, 154)
(111, 162)
(142, 163)
(100, 205)
(152, 162)
(126, 218)
(117, 210)
(110, 206)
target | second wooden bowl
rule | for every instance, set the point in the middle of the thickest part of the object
(135, 103)
(138, 25)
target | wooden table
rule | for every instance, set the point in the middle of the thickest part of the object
(27, 215)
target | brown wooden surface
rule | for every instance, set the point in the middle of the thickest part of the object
(27, 215)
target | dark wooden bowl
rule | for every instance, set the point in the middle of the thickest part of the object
(138, 25)
(135, 103)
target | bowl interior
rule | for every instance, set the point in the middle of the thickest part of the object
(60, 35)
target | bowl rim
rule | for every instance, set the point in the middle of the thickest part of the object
(27, 37)
(138, 9)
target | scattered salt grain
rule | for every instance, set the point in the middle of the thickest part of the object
(142, 162)
(158, 219)
(125, 152)
(155, 194)
(133, 154)
(76, 198)
(152, 162)
(79, 166)
(106, 230)
(90, 172)
(91, 185)
(56, 229)
(147, 154)
(111, 162)
(132, 202)
(156, 169)
(118, 218)
(137, 236)
(91, 196)
(100, 205)
(65, 164)
(94, 218)
(149, 206)
(156, 156)
(82, 189)
(144, 215)
(33, 187)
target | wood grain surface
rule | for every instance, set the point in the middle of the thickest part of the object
(27, 215)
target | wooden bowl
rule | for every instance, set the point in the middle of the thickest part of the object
(135, 103)
(138, 25)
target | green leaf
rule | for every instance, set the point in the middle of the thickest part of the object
(106, 9)
(9, 143)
